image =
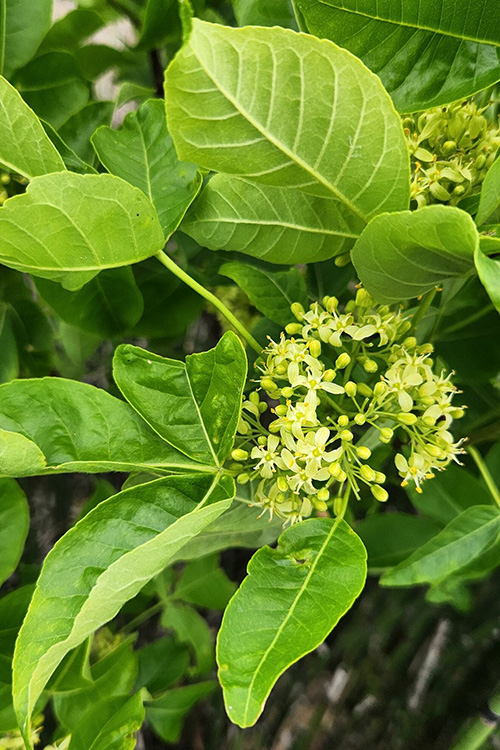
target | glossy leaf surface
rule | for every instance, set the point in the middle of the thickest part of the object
(403, 255)
(70, 218)
(291, 599)
(101, 563)
(426, 52)
(193, 406)
(142, 153)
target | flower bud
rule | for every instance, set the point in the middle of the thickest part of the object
(410, 342)
(287, 391)
(367, 473)
(342, 260)
(457, 413)
(293, 328)
(243, 478)
(370, 365)
(239, 454)
(318, 504)
(262, 440)
(380, 477)
(346, 435)
(282, 484)
(243, 427)
(379, 389)
(315, 348)
(458, 190)
(342, 361)
(329, 375)
(274, 426)
(386, 435)
(363, 298)
(297, 310)
(363, 452)
(425, 349)
(338, 505)
(360, 419)
(268, 384)
(254, 398)
(5, 179)
(343, 420)
(262, 407)
(406, 417)
(365, 390)
(281, 410)
(449, 147)
(350, 389)
(323, 495)
(379, 493)
(334, 469)
(331, 303)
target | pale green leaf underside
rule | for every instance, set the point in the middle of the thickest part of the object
(193, 406)
(288, 110)
(67, 227)
(404, 254)
(25, 148)
(101, 563)
(291, 599)
(462, 540)
(142, 153)
(275, 224)
(489, 199)
(14, 525)
(52, 425)
(426, 52)
(488, 270)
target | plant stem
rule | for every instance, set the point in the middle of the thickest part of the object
(153, 610)
(422, 309)
(495, 493)
(187, 279)
(475, 734)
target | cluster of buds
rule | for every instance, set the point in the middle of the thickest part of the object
(336, 380)
(451, 150)
(11, 184)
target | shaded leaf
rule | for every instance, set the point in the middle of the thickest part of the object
(166, 713)
(291, 599)
(489, 272)
(77, 130)
(279, 225)
(193, 406)
(427, 52)
(191, 629)
(24, 146)
(70, 216)
(26, 24)
(110, 724)
(101, 563)
(403, 255)
(71, 160)
(161, 664)
(489, 199)
(263, 13)
(204, 583)
(463, 539)
(14, 526)
(59, 426)
(390, 538)
(70, 30)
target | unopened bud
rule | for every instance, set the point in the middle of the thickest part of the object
(449, 147)
(239, 454)
(346, 435)
(329, 375)
(297, 310)
(268, 384)
(274, 426)
(293, 328)
(315, 348)
(350, 389)
(386, 435)
(331, 303)
(323, 495)
(380, 477)
(379, 493)
(379, 389)
(410, 342)
(360, 419)
(457, 413)
(254, 398)
(406, 417)
(343, 420)
(243, 478)
(342, 361)
(287, 391)
(363, 298)
(342, 260)
(338, 505)
(363, 452)
(434, 451)
(365, 390)
(281, 410)
(370, 365)
(282, 484)
(367, 473)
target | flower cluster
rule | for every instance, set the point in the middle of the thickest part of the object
(451, 149)
(334, 381)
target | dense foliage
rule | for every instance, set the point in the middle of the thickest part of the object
(258, 298)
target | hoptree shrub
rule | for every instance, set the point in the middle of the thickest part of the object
(343, 229)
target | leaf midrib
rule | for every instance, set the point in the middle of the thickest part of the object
(281, 146)
(409, 25)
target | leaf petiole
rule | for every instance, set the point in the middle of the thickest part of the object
(479, 461)
(187, 279)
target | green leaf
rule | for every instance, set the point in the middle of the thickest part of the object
(95, 59)
(489, 272)
(142, 153)
(24, 146)
(161, 664)
(71, 30)
(69, 218)
(166, 713)
(263, 13)
(291, 599)
(9, 362)
(462, 540)
(71, 160)
(161, 23)
(13, 607)
(205, 584)
(108, 305)
(405, 254)
(390, 538)
(279, 225)
(489, 199)
(14, 526)
(270, 290)
(100, 564)
(53, 425)
(110, 724)
(53, 86)
(25, 27)
(240, 526)
(449, 494)
(193, 406)
(269, 104)
(191, 629)
(77, 130)
(427, 52)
